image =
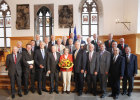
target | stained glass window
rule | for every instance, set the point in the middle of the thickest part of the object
(45, 22)
(5, 24)
(90, 19)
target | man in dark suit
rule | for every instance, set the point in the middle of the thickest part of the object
(130, 71)
(53, 69)
(117, 66)
(37, 41)
(94, 42)
(114, 45)
(71, 46)
(13, 63)
(52, 43)
(104, 65)
(108, 43)
(122, 45)
(20, 50)
(41, 66)
(92, 68)
(29, 69)
(79, 58)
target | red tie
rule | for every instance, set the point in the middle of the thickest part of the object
(122, 46)
(15, 59)
(109, 44)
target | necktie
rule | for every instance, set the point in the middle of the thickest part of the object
(15, 59)
(114, 59)
(109, 43)
(90, 56)
(54, 56)
(42, 53)
(122, 47)
(127, 56)
(75, 54)
(32, 48)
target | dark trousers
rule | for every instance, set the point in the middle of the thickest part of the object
(17, 78)
(29, 73)
(115, 86)
(91, 82)
(54, 77)
(41, 78)
(130, 82)
(79, 81)
(103, 82)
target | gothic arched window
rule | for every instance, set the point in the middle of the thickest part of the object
(44, 21)
(90, 19)
(5, 25)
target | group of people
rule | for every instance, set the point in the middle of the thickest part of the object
(106, 62)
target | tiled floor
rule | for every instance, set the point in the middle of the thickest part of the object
(5, 95)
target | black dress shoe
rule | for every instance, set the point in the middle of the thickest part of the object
(102, 96)
(39, 92)
(13, 96)
(80, 93)
(57, 92)
(116, 97)
(124, 93)
(19, 94)
(94, 93)
(44, 90)
(68, 92)
(51, 91)
(33, 90)
(25, 92)
(111, 95)
(129, 94)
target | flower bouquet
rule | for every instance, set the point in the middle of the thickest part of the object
(65, 63)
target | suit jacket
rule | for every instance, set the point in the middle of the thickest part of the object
(52, 64)
(93, 65)
(107, 44)
(122, 49)
(39, 59)
(73, 48)
(80, 61)
(27, 57)
(96, 45)
(61, 48)
(131, 66)
(104, 60)
(117, 68)
(12, 67)
(111, 51)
